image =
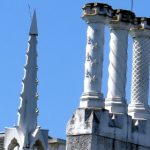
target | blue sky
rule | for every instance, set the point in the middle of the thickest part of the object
(61, 49)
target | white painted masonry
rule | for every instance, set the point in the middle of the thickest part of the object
(57, 144)
(92, 95)
(27, 135)
(116, 101)
(93, 127)
(139, 107)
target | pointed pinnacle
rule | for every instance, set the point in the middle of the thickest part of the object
(33, 27)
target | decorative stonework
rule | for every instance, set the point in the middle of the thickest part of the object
(118, 64)
(115, 101)
(28, 95)
(119, 27)
(140, 71)
(27, 135)
(95, 9)
(140, 76)
(96, 16)
(94, 60)
(91, 77)
(94, 49)
(92, 127)
(95, 127)
(82, 142)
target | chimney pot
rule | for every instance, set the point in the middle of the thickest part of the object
(123, 15)
(97, 9)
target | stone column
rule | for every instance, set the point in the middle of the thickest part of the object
(139, 107)
(119, 28)
(92, 95)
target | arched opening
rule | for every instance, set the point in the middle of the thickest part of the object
(38, 145)
(13, 145)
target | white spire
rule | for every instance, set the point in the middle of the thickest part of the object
(28, 111)
(33, 28)
(28, 135)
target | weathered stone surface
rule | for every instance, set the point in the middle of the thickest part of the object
(92, 127)
(56, 144)
(82, 142)
(95, 142)
(98, 129)
(2, 141)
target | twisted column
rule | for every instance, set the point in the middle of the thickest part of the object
(115, 101)
(92, 95)
(119, 28)
(140, 72)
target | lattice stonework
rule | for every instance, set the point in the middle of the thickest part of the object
(140, 71)
(118, 63)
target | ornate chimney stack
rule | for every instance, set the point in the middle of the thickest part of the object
(119, 27)
(140, 33)
(96, 16)
(93, 127)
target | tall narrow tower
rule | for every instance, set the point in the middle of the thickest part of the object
(27, 135)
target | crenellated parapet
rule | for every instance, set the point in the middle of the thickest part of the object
(108, 123)
(100, 9)
(98, 128)
(121, 15)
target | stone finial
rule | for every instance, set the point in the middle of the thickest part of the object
(33, 27)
